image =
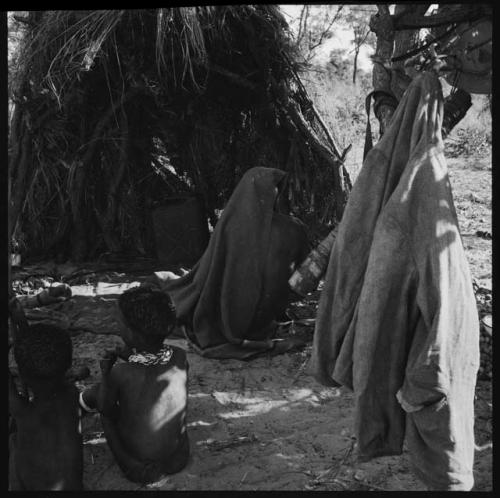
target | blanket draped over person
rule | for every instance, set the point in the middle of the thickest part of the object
(397, 321)
(228, 301)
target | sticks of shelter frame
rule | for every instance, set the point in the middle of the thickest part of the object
(114, 111)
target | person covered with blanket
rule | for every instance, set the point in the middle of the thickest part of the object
(143, 399)
(230, 301)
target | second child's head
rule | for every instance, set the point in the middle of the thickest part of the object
(149, 314)
(43, 353)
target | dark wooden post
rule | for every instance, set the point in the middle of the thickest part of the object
(381, 24)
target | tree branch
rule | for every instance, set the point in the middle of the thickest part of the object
(300, 32)
(303, 126)
(340, 193)
(326, 30)
(232, 76)
(467, 12)
(303, 91)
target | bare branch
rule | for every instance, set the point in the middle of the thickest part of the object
(304, 21)
(300, 32)
(327, 29)
(232, 76)
(364, 38)
(329, 136)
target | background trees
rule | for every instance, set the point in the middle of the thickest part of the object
(347, 54)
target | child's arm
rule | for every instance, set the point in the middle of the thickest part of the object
(133, 468)
(102, 397)
(107, 396)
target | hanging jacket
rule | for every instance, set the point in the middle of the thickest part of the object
(397, 320)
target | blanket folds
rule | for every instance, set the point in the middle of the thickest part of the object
(397, 320)
(228, 301)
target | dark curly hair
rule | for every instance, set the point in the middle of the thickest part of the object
(43, 351)
(149, 312)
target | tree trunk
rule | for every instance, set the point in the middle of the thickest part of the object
(355, 68)
(390, 79)
(404, 41)
(381, 25)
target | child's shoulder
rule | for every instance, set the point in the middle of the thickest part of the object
(121, 367)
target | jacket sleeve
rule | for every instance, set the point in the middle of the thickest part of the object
(445, 337)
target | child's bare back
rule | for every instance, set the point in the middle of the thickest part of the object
(152, 407)
(45, 451)
(47, 447)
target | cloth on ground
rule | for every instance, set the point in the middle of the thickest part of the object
(397, 314)
(229, 300)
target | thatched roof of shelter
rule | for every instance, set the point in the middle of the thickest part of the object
(117, 110)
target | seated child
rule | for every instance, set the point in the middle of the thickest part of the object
(142, 401)
(45, 451)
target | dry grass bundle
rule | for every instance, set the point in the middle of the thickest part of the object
(116, 110)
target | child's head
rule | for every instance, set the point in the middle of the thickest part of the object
(149, 313)
(43, 352)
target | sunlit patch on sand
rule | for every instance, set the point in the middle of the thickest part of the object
(158, 484)
(94, 438)
(200, 423)
(289, 458)
(97, 440)
(102, 288)
(256, 405)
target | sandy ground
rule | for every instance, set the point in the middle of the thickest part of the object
(266, 424)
